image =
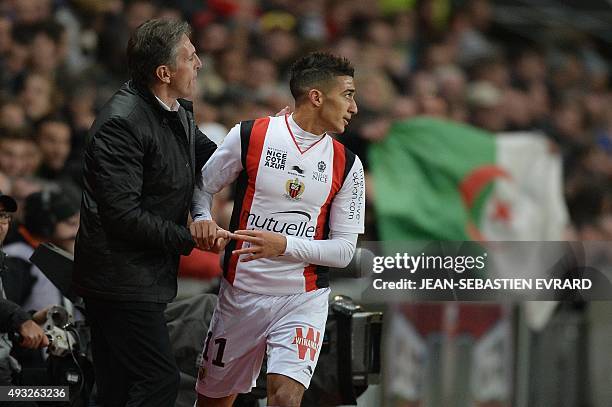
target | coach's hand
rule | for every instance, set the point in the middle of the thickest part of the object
(262, 244)
(220, 244)
(206, 234)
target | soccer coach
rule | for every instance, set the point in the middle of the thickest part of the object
(143, 157)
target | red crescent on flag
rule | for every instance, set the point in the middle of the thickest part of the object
(472, 185)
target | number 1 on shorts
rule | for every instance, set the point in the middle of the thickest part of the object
(218, 360)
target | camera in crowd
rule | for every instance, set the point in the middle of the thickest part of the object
(68, 360)
(59, 330)
(350, 355)
(66, 363)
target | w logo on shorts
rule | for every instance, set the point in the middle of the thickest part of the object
(308, 343)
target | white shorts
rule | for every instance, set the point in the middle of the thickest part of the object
(245, 325)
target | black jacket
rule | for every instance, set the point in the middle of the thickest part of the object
(139, 171)
(11, 314)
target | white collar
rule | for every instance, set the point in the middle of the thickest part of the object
(174, 108)
(299, 132)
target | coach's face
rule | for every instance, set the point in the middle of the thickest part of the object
(339, 104)
(183, 77)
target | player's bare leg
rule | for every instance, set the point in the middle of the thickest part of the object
(284, 391)
(227, 401)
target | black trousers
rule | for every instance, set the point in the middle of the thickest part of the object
(133, 360)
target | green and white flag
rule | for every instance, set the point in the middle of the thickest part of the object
(441, 180)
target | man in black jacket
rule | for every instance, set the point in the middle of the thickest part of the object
(13, 319)
(143, 157)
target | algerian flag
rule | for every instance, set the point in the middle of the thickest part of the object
(441, 180)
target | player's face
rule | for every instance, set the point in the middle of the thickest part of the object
(183, 78)
(339, 104)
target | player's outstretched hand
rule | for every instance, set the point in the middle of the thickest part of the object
(262, 244)
(205, 233)
(33, 337)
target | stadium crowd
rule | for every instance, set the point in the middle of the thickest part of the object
(62, 59)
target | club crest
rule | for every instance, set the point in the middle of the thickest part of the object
(294, 188)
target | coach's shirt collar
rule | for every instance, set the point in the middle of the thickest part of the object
(174, 108)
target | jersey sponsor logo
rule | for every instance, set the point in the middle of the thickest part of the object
(357, 192)
(294, 188)
(275, 158)
(292, 228)
(296, 172)
(307, 344)
(318, 176)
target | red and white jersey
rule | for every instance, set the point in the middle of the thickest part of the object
(280, 188)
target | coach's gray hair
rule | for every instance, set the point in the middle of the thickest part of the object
(154, 43)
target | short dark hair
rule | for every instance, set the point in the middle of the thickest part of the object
(154, 43)
(45, 209)
(316, 68)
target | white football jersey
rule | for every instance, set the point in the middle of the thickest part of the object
(283, 189)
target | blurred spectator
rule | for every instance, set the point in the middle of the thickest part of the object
(6, 39)
(22, 187)
(212, 39)
(469, 28)
(5, 183)
(517, 110)
(492, 69)
(426, 93)
(529, 67)
(49, 216)
(32, 11)
(207, 117)
(37, 96)
(116, 30)
(18, 153)
(46, 51)
(53, 138)
(486, 108)
(13, 318)
(281, 46)
(15, 60)
(12, 116)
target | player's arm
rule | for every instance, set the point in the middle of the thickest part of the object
(221, 169)
(337, 251)
(346, 222)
